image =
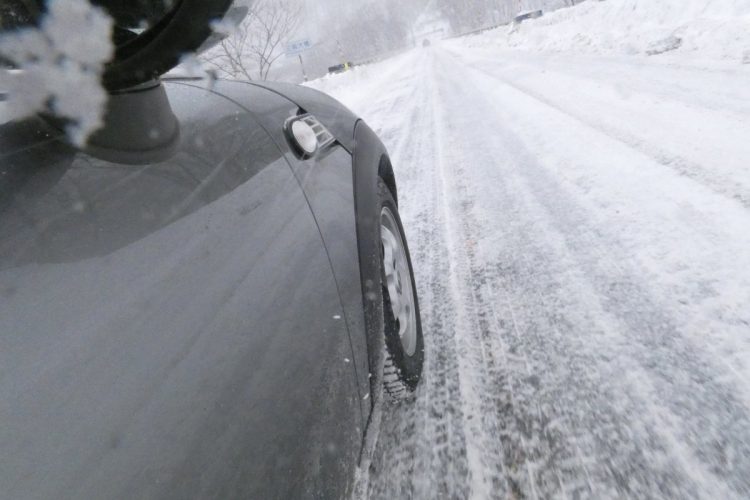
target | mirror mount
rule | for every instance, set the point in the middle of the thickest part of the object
(139, 126)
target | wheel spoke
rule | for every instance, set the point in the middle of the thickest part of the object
(398, 281)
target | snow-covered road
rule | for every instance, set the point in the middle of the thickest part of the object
(580, 229)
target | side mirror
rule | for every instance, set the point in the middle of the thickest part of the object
(144, 56)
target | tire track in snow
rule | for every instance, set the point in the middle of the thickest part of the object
(710, 179)
(454, 353)
(477, 363)
(425, 450)
(670, 359)
(535, 438)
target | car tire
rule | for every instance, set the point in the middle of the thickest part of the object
(404, 343)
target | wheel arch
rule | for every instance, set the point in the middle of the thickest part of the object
(370, 160)
(385, 172)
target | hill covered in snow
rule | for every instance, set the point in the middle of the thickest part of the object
(705, 29)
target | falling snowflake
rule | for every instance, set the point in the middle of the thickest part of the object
(58, 71)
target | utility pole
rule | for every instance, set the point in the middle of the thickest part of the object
(341, 51)
(302, 65)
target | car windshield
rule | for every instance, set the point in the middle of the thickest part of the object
(235, 233)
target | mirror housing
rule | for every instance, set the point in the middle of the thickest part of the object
(139, 127)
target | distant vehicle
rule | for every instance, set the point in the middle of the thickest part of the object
(527, 15)
(426, 42)
(207, 299)
(340, 68)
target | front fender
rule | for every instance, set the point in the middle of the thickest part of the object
(370, 161)
(368, 156)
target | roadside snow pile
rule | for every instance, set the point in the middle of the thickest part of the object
(358, 85)
(708, 29)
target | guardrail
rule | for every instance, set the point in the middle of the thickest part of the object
(480, 30)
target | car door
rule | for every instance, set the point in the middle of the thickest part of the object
(169, 329)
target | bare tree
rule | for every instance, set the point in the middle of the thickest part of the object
(250, 51)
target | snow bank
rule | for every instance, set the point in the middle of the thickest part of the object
(358, 85)
(707, 29)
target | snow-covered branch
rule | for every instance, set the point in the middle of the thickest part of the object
(251, 50)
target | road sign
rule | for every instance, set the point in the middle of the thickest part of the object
(298, 47)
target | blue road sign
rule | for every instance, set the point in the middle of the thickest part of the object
(298, 46)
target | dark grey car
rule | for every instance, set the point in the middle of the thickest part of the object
(196, 305)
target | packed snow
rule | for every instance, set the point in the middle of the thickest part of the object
(579, 221)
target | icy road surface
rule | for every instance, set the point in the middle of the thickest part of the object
(580, 229)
